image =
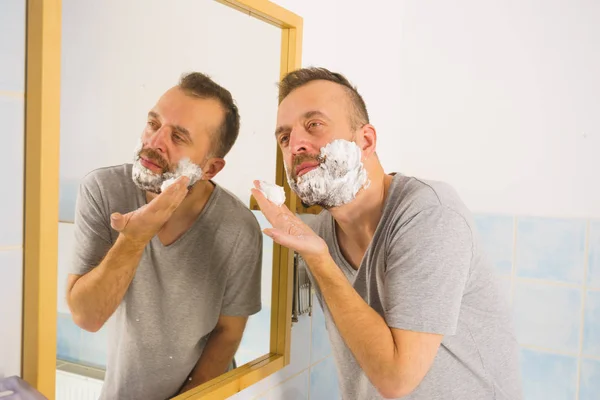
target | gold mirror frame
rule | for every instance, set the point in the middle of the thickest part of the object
(42, 145)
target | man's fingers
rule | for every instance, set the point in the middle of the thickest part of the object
(119, 221)
(172, 196)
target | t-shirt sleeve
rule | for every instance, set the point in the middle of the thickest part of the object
(428, 264)
(92, 236)
(243, 290)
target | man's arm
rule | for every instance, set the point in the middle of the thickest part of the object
(94, 296)
(394, 360)
(218, 352)
(424, 283)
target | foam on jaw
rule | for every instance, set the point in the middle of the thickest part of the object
(338, 178)
(185, 167)
(147, 180)
(272, 192)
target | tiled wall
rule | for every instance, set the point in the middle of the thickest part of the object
(311, 373)
(12, 107)
(550, 270)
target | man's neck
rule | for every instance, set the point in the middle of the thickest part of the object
(358, 220)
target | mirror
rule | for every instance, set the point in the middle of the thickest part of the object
(119, 62)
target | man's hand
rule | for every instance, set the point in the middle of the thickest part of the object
(141, 225)
(289, 230)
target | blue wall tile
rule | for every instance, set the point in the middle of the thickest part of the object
(68, 339)
(591, 327)
(547, 316)
(321, 346)
(551, 249)
(505, 287)
(12, 45)
(589, 385)
(497, 235)
(68, 191)
(295, 388)
(12, 114)
(593, 274)
(94, 348)
(548, 376)
(324, 381)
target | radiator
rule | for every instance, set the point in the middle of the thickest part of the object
(70, 386)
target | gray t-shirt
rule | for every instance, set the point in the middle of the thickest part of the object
(426, 271)
(159, 330)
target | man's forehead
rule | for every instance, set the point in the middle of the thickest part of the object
(178, 107)
(317, 95)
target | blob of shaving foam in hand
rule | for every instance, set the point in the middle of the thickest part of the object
(272, 192)
(184, 168)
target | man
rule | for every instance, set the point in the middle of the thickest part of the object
(411, 305)
(178, 270)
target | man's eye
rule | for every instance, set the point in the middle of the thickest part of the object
(283, 139)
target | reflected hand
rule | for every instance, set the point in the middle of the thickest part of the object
(141, 225)
(289, 230)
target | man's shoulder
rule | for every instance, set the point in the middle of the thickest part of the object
(412, 195)
(107, 177)
(317, 222)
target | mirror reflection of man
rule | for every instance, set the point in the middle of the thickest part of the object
(178, 269)
(410, 300)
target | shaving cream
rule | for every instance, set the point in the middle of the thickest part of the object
(156, 183)
(338, 178)
(184, 168)
(272, 192)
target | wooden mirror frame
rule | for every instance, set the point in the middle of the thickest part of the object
(42, 146)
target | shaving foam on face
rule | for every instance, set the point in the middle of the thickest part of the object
(338, 178)
(184, 168)
(272, 192)
(156, 183)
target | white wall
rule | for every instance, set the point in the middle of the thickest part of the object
(112, 77)
(12, 108)
(498, 98)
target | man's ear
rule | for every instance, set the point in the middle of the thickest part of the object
(368, 140)
(212, 167)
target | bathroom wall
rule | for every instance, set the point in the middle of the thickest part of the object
(499, 99)
(12, 107)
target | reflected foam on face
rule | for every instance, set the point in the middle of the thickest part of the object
(337, 179)
(156, 183)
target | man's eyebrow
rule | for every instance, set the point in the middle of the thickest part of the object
(178, 128)
(309, 114)
(281, 129)
(183, 131)
(315, 113)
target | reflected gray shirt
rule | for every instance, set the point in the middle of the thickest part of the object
(425, 270)
(159, 330)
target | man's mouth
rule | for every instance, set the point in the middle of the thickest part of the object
(150, 165)
(306, 167)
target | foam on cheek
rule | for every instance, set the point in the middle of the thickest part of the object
(338, 178)
(184, 168)
(273, 193)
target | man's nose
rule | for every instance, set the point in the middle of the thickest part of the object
(299, 143)
(158, 139)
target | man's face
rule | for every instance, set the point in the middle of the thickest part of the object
(309, 118)
(178, 126)
(323, 152)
